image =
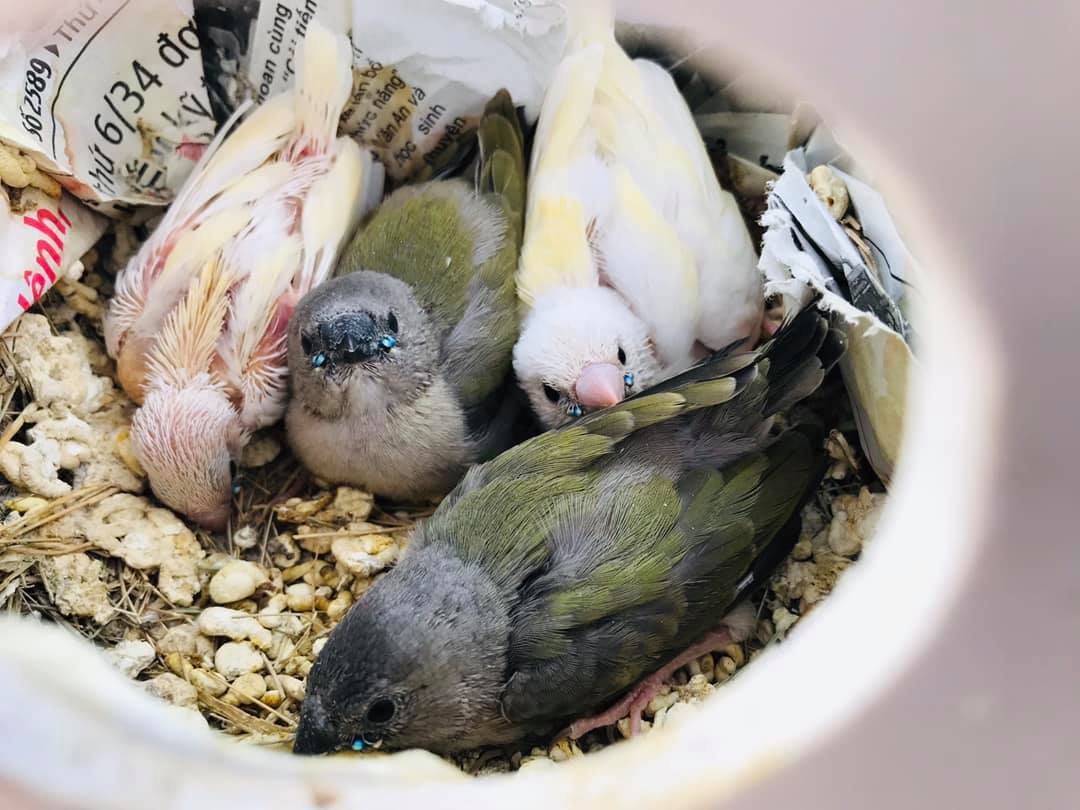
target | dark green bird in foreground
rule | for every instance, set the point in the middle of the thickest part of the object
(561, 574)
(398, 366)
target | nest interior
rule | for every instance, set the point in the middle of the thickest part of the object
(225, 627)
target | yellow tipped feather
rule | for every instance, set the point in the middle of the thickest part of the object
(186, 343)
(258, 296)
(323, 84)
(556, 251)
(252, 143)
(622, 193)
(333, 205)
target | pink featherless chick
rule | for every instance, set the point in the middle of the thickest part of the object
(198, 321)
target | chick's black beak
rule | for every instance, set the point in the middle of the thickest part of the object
(349, 337)
(315, 734)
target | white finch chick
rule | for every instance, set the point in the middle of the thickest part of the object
(198, 321)
(635, 262)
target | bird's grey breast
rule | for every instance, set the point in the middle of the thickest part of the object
(401, 449)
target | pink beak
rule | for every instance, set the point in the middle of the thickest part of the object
(600, 385)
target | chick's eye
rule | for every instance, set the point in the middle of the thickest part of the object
(551, 393)
(305, 344)
(391, 322)
(381, 711)
(234, 478)
(622, 355)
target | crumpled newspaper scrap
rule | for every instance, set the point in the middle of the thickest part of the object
(828, 230)
(416, 98)
(109, 100)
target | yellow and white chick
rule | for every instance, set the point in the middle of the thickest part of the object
(635, 262)
(198, 321)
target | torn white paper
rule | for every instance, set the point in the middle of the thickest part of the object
(857, 282)
(878, 360)
(422, 69)
(108, 98)
(40, 239)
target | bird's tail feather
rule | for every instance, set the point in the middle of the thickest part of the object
(799, 357)
(590, 21)
(323, 84)
(730, 398)
(501, 169)
(802, 446)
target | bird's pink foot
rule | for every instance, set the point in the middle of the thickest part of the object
(635, 701)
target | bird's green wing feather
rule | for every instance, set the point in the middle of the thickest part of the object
(480, 346)
(613, 568)
(582, 449)
(420, 235)
(456, 244)
(644, 577)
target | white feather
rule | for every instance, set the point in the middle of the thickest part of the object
(258, 224)
(622, 193)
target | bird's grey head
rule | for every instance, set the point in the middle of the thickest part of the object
(360, 339)
(418, 662)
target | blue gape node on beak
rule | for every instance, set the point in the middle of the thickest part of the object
(352, 337)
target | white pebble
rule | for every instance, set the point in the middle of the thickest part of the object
(179, 639)
(131, 657)
(208, 682)
(339, 605)
(245, 538)
(235, 625)
(364, 556)
(783, 620)
(282, 647)
(297, 665)
(563, 750)
(174, 689)
(248, 688)
(735, 653)
(270, 616)
(273, 617)
(659, 718)
(236, 580)
(259, 452)
(623, 727)
(236, 658)
(283, 551)
(535, 762)
(842, 539)
(660, 702)
(300, 597)
(830, 189)
(26, 504)
(355, 503)
(317, 645)
(294, 687)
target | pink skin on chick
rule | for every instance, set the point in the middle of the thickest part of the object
(600, 385)
(185, 439)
